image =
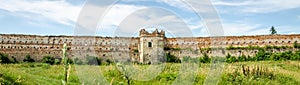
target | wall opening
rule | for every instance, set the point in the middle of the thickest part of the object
(149, 44)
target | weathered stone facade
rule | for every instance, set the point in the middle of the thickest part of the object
(140, 49)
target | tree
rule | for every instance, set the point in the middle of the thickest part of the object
(273, 30)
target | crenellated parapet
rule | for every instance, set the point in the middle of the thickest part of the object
(155, 33)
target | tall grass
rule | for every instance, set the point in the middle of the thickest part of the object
(245, 73)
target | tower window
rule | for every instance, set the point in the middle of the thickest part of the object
(149, 44)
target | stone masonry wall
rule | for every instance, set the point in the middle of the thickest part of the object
(39, 46)
(128, 48)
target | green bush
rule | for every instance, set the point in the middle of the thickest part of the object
(230, 59)
(48, 59)
(4, 58)
(260, 55)
(242, 58)
(28, 59)
(296, 45)
(205, 59)
(296, 56)
(14, 60)
(172, 58)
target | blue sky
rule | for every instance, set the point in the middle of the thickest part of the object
(238, 17)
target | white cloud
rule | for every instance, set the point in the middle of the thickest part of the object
(223, 3)
(258, 6)
(154, 17)
(65, 13)
(176, 3)
(287, 29)
(117, 14)
(58, 11)
(238, 29)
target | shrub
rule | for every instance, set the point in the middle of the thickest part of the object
(242, 58)
(275, 57)
(57, 61)
(230, 59)
(28, 59)
(48, 59)
(78, 61)
(108, 62)
(172, 58)
(70, 61)
(91, 60)
(4, 58)
(14, 60)
(296, 56)
(261, 55)
(205, 59)
(286, 55)
(296, 45)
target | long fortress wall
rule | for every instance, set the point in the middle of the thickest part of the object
(38, 46)
(200, 43)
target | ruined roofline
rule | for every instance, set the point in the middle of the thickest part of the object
(244, 36)
(28, 35)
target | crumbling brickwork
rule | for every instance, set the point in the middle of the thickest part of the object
(132, 48)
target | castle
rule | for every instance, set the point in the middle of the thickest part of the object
(141, 49)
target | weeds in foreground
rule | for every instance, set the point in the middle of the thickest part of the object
(66, 64)
(247, 74)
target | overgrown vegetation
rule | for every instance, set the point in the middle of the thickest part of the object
(28, 59)
(265, 56)
(205, 59)
(172, 58)
(249, 73)
(250, 47)
(48, 59)
(244, 72)
(4, 58)
(66, 65)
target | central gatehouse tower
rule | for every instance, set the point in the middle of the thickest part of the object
(151, 47)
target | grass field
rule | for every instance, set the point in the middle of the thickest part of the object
(246, 73)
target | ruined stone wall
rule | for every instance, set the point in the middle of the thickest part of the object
(195, 45)
(38, 46)
(236, 41)
(128, 48)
